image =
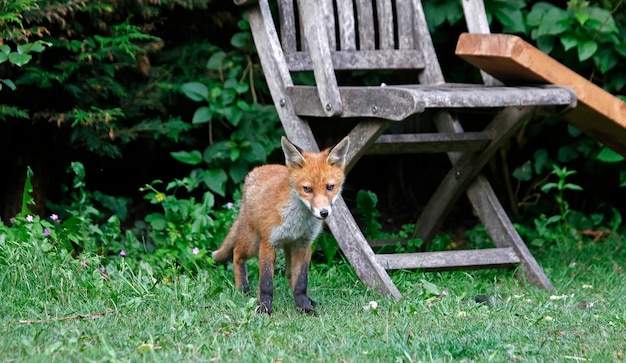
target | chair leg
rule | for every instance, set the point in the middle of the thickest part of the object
(358, 251)
(502, 231)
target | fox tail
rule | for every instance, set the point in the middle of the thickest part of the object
(225, 252)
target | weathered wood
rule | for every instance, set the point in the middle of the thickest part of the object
(384, 13)
(362, 60)
(277, 75)
(347, 34)
(466, 169)
(488, 257)
(365, 16)
(393, 35)
(316, 36)
(428, 143)
(512, 60)
(381, 102)
(405, 24)
(476, 20)
(360, 255)
(502, 232)
(287, 20)
(398, 102)
(362, 136)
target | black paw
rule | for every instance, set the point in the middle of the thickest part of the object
(264, 308)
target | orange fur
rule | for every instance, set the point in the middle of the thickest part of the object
(283, 206)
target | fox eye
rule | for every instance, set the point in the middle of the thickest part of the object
(330, 187)
(307, 189)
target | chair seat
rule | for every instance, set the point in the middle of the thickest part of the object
(396, 103)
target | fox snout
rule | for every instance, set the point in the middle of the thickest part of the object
(321, 213)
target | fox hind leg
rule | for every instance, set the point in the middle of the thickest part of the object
(267, 264)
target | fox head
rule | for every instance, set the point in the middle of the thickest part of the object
(317, 178)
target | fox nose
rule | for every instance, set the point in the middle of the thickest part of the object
(324, 213)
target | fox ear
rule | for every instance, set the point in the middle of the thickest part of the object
(338, 154)
(293, 156)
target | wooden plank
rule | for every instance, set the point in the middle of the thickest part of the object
(477, 23)
(488, 257)
(502, 232)
(287, 20)
(347, 30)
(329, 20)
(316, 37)
(277, 75)
(397, 103)
(404, 11)
(428, 143)
(361, 60)
(362, 136)
(365, 17)
(512, 60)
(384, 13)
(358, 252)
(379, 102)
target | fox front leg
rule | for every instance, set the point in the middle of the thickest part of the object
(267, 262)
(299, 259)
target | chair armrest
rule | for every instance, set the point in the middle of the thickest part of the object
(316, 35)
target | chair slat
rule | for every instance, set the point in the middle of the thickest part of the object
(404, 11)
(345, 15)
(287, 18)
(365, 16)
(329, 19)
(384, 12)
(449, 259)
(363, 60)
(428, 143)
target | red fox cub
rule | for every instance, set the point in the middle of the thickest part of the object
(283, 206)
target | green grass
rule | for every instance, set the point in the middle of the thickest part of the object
(202, 318)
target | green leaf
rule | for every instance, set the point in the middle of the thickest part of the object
(5, 49)
(240, 40)
(196, 91)
(216, 60)
(511, 18)
(27, 198)
(568, 41)
(193, 158)
(216, 179)
(581, 17)
(524, 172)
(622, 178)
(605, 59)
(202, 115)
(238, 172)
(19, 59)
(586, 50)
(9, 83)
(157, 221)
(607, 155)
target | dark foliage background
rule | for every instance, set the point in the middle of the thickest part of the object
(141, 90)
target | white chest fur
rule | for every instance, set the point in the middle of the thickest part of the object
(299, 225)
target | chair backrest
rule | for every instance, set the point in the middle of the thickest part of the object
(362, 34)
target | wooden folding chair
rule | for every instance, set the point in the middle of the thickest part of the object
(326, 36)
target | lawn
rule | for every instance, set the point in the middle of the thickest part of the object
(58, 308)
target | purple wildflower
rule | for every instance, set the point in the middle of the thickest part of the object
(12, 220)
(54, 217)
(46, 232)
(195, 250)
(229, 205)
(123, 253)
(30, 218)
